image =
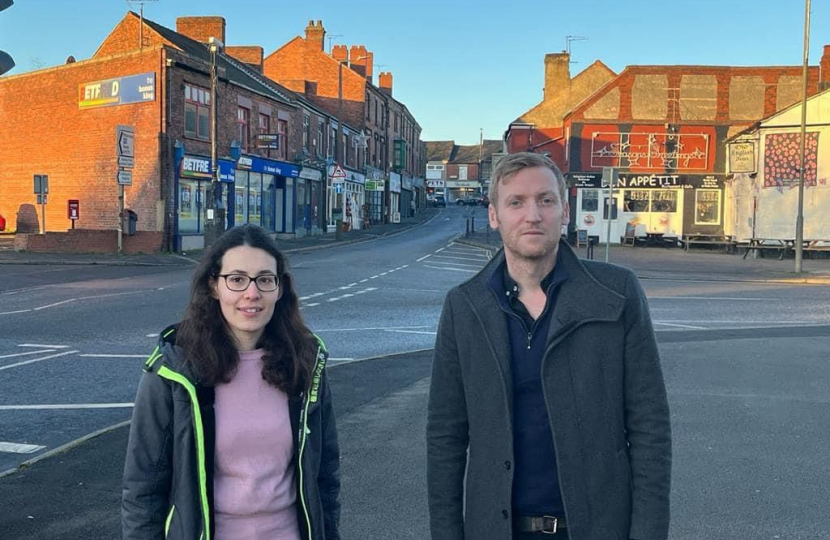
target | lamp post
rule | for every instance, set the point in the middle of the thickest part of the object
(215, 219)
(799, 220)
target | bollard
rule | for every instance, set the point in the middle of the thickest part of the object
(590, 248)
(467, 231)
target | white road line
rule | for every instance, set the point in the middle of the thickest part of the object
(405, 266)
(709, 298)
(352, 284)
(36, 360)
(113, 355)
(681, 325)
(16, 448)
(44, 346)
(67, 406)
(449, 268)
(440, 250)
(424, 257)
(804, 323)
(371, 328)
(15, 312)
(383, 273)
(26, 353)
(459, 258)
(373, 277)
(55, 304)
(364, 280)
(411, 332)
(458, 264)
(152, 335)
(312, 305)
(341, 359)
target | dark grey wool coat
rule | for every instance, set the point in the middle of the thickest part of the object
(605, 396)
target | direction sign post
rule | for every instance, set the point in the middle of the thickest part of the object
(41, 190)
(125, 150)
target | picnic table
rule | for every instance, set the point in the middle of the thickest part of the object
(785, 246)
(725, 240)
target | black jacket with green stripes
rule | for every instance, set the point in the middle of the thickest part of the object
(168, 472)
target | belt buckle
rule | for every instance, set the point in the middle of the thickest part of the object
(554, 526)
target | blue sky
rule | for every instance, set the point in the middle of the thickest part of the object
(458, 65)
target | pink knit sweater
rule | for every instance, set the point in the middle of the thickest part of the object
(254, 491)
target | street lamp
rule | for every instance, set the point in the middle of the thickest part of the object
(799, 220)
(215, 219)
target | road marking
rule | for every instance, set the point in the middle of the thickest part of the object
(14, 312)
(373, 277)
(411, 332)
(682, 326)
(39, 346)
(66, 407)
(352, 284)
(340, 359)
(26, 353)
(36, 360)
(449, 268)
(459, 258)
(458, 264)
(16, 448)
(424, 257)
(364, 280)
(371, 328)
(805, 323)
(440, 250)
(383, 273)
(113, 355)
(152, 335)
(55, 304)
(312, 305)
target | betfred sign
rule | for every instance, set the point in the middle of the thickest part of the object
(195, 167)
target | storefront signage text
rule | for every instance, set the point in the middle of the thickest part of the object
(120, 91)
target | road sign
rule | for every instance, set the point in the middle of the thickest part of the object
(268, 140)
(338, 188)
(126, 162)
(125, 141)
(338, 175)
(41, 198)
(125, 178)
(41, 184)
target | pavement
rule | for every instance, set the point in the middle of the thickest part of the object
(294, 245)
(698, 264)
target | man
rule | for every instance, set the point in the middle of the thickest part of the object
(546, 389)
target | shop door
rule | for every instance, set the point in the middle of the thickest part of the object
(617, 224)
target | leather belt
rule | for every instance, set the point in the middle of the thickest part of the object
(543, 524)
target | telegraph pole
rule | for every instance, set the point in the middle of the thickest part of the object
(799, 220)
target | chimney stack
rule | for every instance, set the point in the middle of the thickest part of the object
(385, 82)
(248, 54)
(824, 77)
(201, 28)
(557, 74)
(315, 36)
(340, 53)
(357, 59)
(370, 61)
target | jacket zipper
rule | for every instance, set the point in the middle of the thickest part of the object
(304, 431)
(171, 375)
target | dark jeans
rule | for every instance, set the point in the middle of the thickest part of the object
(561, 534)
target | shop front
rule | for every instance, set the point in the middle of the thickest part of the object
(394, 196)
(461, 189)
(668, 204)
(192, 179)
(264, 193)
(374, 191)
(345, 198)
(310, 202)
(407, 196)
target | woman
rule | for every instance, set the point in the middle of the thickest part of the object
(233, 435)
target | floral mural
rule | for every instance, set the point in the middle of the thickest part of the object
(782, 160)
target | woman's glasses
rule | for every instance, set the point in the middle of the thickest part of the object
(241, 282)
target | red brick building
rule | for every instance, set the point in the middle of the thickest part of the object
(62, 122)
(662, 128)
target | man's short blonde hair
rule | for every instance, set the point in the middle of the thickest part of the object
(513, 163)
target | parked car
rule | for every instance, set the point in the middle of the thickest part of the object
(440, 201)
(467, 201)
(484, 200)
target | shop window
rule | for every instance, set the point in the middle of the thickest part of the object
(664, 200)
(264, 124)
(590, 200)
(306, 124)
(282, 130)
(320, 137)
(243, 117)
(707, 207)
(196, 112)
(241, 196)
(635, 200)
(255, 198)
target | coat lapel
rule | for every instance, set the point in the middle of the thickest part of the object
(581, 299)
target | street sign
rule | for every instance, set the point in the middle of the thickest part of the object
(41, 184)
(338, 188)
(73, 209)
(41, 198)
(125, 141)
(126, 162)
(125, 178)
(338, 175)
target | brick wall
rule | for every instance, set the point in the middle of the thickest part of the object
(248, 54)
(45, 132)
(88, 241)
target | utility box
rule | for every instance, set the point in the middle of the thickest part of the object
(129, 223)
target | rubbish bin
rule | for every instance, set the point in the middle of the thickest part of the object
(130, 219)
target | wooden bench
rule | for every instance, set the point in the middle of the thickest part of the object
(708, 239)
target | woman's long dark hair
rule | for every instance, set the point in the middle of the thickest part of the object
(290, 347)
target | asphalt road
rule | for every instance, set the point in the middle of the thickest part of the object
(745, 364)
